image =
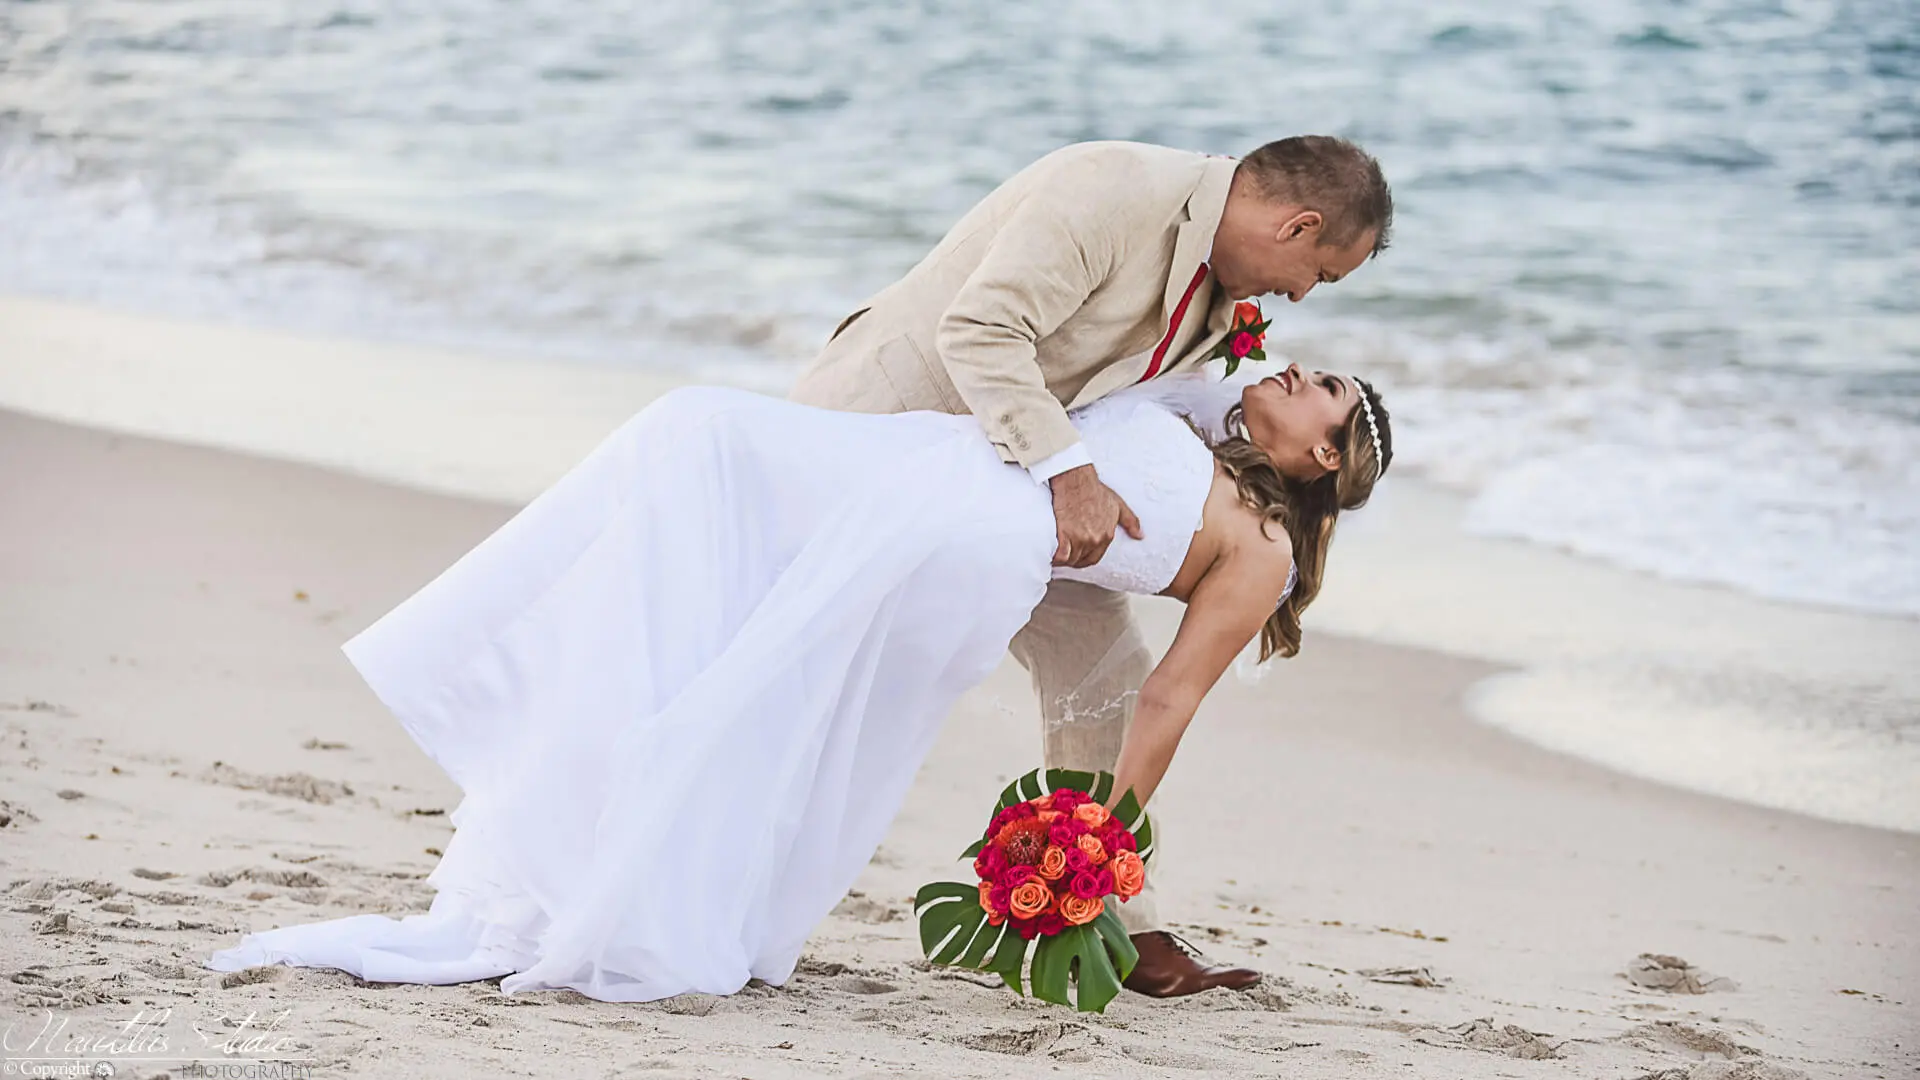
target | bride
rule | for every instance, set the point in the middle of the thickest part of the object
(685, 690)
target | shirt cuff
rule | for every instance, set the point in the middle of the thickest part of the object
(1049, 467)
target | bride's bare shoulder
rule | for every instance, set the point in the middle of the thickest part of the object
(1235, 542)
(1258, 543)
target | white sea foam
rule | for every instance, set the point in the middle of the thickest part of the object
(1776, 486)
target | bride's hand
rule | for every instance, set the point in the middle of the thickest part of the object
(1086, 513)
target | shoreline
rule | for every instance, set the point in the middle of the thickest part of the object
(176, 705)
(1697, 686)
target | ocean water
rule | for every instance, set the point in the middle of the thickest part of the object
(1654, 295)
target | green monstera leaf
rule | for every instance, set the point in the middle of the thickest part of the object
(1083, 966)
(1098, 785)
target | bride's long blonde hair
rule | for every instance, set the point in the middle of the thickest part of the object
(1307, 511)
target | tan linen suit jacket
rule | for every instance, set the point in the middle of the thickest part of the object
(1054, 291)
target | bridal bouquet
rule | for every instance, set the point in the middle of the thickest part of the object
(1051, 865)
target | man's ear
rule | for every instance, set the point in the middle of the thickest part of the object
(1306, 223)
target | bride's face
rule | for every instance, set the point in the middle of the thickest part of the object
(1296, 417)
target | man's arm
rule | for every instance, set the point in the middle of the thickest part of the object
(1051, 253)
(1045, 260)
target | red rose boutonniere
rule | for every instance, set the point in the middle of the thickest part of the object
(1245, 340)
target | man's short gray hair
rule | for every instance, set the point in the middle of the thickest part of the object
(1331, 175)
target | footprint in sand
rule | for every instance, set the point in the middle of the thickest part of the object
(861, 908)
(1658, 971)
(861, 984)
(1020, 1041)
(266, 973)
(1486, 1035)
(1671, 1035)
(1722, 1070)
(1164, 1057)
(50, 888)
(72, 992)
(287, 879)
(297, 785)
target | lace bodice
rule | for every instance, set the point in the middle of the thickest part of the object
(1147, 453)
(1154, 461)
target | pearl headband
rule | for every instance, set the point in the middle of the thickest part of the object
(1373, 427)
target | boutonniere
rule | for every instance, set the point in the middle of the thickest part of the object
(1245, 340)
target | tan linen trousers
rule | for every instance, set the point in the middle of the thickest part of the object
(1087, 659)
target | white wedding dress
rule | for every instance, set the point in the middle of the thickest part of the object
(685, 690)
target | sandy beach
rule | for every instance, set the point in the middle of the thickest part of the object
(185, 755)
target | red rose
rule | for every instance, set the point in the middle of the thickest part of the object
(1124, 842)
(1015, 876)
(1086, 885)
(1103, 879)
(991, 863)
(1065, 799)
(1008, 816)
(1026, 928)
(1066, 831)
(1000, 898)
(1242, 344)
(1050, 924)
(1077, 861)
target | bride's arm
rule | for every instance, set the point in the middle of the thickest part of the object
(1226, 610)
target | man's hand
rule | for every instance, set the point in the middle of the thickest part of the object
(1085, 515)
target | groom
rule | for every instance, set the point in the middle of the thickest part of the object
(1099, 266)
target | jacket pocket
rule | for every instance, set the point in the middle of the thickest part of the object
(916, 382)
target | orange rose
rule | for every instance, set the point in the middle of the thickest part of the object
(1053, 863)
(1246, 312)
(1091, 814)
(1030, 900)
(994, 916)
(1096, 852)
(1049, 816)
(1129, 874)
(1079, 911)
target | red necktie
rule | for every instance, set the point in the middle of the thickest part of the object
(1160, 354)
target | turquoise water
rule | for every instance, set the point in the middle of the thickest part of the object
(1654, 295)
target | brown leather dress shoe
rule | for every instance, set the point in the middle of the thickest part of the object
(1170, 967)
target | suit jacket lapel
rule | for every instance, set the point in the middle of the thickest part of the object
(1192, 245)
(1195, 241)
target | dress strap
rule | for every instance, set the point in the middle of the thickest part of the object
(1293, 578)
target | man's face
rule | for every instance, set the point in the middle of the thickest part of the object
(1284, 256)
